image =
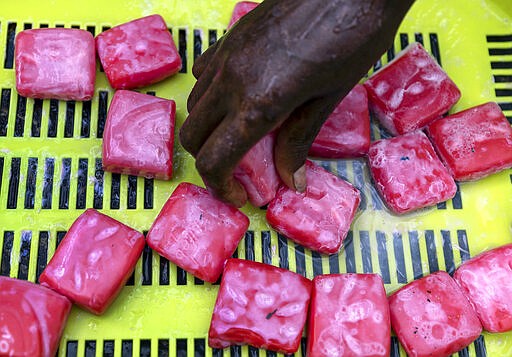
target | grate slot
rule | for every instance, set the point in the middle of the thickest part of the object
(145, 348)
(181, 276)
(5, 264)
(98, 185)
(414, 245)
(27, 26)
(249, 245)
(235, 351)
(49, 168)
(85, 127)
(317, 263)
(5, 103)
(212, 37)
(14, 181)
(148, 193)
(24, 259)
(60, 237)
(398, 248)
(199, 347)
(109, 348)
(81, 190)
(501, 64)
(266, 249)
(430, 241)
(350, 258)
(300, 260)
(19, 123)
(163, 347)
(90, 348)
(115, 191)
(37, 115)
(404, 40)
(382, 253)
(395, 347)
(1, 172)
(448, 252)
(30, 186)
(127, 348)
(480, 349)
(182, 49)
(163, 278)
(282, 244)
(334, 263)
(462, 239)
(181, 347)
(147, 265)
(132, 192)
(198, 44)
(69, 122)
(53, 119)
(42, 253)
(64, 184)
(71, 348)
(358, 167)
(418, 37)
(366, 251)
(434, 47)
(102, 113)
(9, 48)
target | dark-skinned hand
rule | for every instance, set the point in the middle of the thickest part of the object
(284, 66)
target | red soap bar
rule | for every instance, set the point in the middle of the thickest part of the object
(241, 8)
(349, 316)
(318, 218)
(138, 53)
(408, 174)
(411, 91)
(432, 317)
(93, 261)
(474, 143)
(257, 172)
(55, 63)
(139, 135)
(485, 279)
(32, 318)
(197, 232)
(346, 133)
(260, 305)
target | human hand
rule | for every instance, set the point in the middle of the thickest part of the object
(284, 67)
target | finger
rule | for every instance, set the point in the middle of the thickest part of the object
(295, 137)
(202, 61)
(202, 120)
(201, 86)
(224, 149)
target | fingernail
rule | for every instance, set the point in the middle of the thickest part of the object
(299, 179)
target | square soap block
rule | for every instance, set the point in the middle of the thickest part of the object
(197, 232)
(138, 53)
(410, 91)
(432, 317)
(55, 63)
(474, 143)
(94, 260)
(257, 172)
(139, 135)
(408, 174)
(259, 305)
(485, 279)
(318, 218)
(241, 9)
(346, 132)
(32, 318)
(349, 316)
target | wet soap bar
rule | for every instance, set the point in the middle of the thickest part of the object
(32, 318)
(197, 232)
(411, 91)
(55, 63)
(139, 135)
(473, 143)
(408, 174)
(138, 53)
(241, 8)
(348, 316)
(318, 218)
(432, 317)
(346, 133)
(93, 261)
(485, 279)
(257, 172)
(260, 305)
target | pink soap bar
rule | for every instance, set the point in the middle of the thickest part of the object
(411, 91)
(408, 174)
(318, 218)
(139, 135)
(241, 9)
(473, 143)
(32, 318)
(197, 232)
(257, 172)
(346, 133)
(485, 279)
(432, 317)
(93, 261)
(55, 63)
(260, 305)
(138, 53)
(349, 316)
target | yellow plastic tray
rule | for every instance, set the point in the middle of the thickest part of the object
(50, 172)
